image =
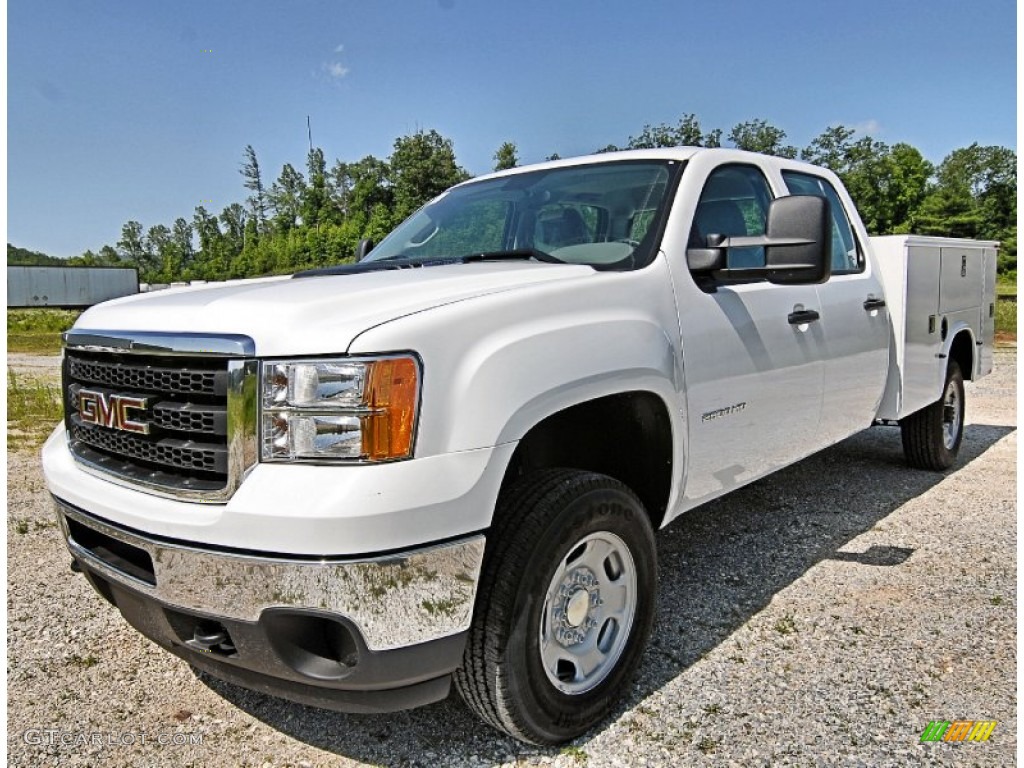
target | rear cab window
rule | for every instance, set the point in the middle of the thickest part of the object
(847, 256)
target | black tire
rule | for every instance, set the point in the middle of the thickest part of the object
(932, 436)
(559, 522)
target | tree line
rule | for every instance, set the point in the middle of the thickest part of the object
(317, 217)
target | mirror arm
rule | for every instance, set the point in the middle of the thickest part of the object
(756, 241)
(759, 271)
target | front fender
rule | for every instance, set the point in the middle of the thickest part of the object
(495, 366)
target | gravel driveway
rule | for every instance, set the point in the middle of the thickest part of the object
(822, 616)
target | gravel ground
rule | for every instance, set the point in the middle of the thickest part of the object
(822, 616)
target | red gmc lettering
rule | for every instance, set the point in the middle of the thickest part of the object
(111, 411)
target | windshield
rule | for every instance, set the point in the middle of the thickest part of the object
(606, 215)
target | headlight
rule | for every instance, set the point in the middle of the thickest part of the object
(362, 410)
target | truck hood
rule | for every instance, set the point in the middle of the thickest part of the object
(316, 315)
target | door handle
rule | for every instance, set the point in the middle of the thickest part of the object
(802, 316)
(872, 303)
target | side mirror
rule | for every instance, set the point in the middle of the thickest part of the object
(798, 247)
(705, 259)
(364, 247)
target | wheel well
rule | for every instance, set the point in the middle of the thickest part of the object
(627, 436)
(962, 351)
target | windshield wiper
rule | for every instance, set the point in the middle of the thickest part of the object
(378, 265)
(401, 261)
(517, 253)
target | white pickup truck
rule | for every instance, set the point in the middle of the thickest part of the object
(447, 461)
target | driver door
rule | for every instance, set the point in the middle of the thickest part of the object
(754, 377)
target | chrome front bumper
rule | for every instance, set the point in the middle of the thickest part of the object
(394, 601)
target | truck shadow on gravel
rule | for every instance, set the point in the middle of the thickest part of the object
(719, 566)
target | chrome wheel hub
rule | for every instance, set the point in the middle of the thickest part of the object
(588, 613)
(572, 614)
(951, 415)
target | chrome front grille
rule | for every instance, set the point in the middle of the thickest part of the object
(135, 374)
(207, 420)
(208, 458)
(173, 415)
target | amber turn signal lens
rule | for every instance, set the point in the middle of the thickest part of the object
(391, 393)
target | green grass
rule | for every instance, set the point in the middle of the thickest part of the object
(1006, 317)
(1006, 310)
(785, 626)
(33, 408)
(577, 754)
(37, 331)
(1006, 283)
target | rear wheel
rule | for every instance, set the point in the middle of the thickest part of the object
(932, 436)
(565, 606)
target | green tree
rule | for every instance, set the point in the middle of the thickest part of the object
(865, 177)
(286, 196)
(314, 201)
(975, 195)
(759, 136)
(360, 186)
(380, 223)
(166, 262)
(888, 184)
(831, 149)
(506, 157)
(133, 250)
(905, 185)
(422, 167)
(181, 234)
(250, 171)
(248, 261)
(25, 257)
(109, 257)
(87, 259)
(687, 133)
(233, 218)
(211, 261)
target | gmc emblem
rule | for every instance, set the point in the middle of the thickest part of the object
(111, 410)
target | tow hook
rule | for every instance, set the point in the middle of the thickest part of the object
(211, 637)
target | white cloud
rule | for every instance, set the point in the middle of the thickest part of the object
(336, 70)
(870, 127)
(339, 48)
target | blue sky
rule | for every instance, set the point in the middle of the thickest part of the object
(141, 110)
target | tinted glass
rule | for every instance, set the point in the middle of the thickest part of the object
(603, 214)
(734, 203)
(846, 257)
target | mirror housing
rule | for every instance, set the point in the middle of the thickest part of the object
(364, 247)
(805, 221)
(705, 259)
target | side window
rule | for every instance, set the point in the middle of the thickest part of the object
(846, 256)
(734, 203)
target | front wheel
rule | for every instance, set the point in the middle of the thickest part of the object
(932, 436)
(565, 606)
